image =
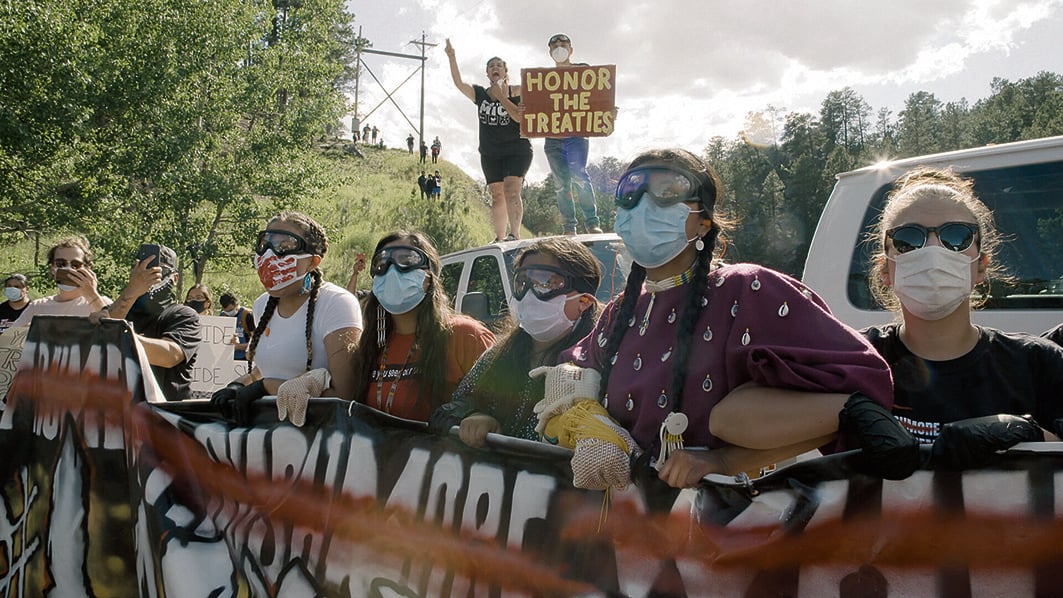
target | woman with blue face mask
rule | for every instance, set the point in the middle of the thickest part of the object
(967, 390)
(554, 284)
(738, 359)
(418, 349)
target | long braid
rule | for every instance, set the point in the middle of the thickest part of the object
(311, 303)
(267, 313)
(621, 317)
(699, 291)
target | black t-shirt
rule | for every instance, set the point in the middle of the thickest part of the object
(9, 314)
(1006, 372)
(180, 324)
(499, 134)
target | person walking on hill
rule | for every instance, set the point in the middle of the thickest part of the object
(409, 143)
(437, 145)
(505, 156)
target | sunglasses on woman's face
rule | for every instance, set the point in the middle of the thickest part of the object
(281, 242)
(403, 257)
(955, 236)
(666, 186)
(545, 282)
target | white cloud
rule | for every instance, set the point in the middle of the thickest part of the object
(691, 69)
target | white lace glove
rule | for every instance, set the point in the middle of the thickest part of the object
(293, 395)
(599, 463)
(565, 384)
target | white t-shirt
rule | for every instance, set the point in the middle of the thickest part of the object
(48, 306)
(281, 352)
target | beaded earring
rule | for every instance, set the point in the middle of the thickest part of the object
(308, 283)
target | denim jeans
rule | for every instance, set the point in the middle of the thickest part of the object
(568, 163)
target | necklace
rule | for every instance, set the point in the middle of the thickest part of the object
(655, 286)
(394, 383)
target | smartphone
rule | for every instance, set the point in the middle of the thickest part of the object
(149, 251)
(62, 276)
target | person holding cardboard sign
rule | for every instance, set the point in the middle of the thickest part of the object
(568, 160)
(505, 156)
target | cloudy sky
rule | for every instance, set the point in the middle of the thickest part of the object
(691, 69)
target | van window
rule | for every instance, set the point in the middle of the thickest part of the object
(451, 278)
(485, 277)
(1027, 202)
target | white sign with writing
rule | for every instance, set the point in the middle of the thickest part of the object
(215, 366)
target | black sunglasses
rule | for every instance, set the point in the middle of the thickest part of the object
(546, 282)
(667, 186)
(281, 242)
(404, 257)
(955, 236)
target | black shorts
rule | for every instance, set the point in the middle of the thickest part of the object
(497, 168)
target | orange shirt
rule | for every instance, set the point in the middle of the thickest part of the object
(395, 387)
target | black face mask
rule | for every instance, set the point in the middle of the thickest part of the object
(152, 303)
(199, 306)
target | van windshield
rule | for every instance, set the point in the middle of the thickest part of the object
(1027, 203)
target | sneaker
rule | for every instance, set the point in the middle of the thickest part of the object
(595, 230)
(510, 237)
(570, 232)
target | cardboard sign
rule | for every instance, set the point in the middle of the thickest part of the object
(577, 101)
(215, 366)
(11, 342)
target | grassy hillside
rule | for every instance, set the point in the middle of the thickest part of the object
(377, 193)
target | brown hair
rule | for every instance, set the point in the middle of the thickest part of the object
(931, 183)
(73, 243)
(434, 316)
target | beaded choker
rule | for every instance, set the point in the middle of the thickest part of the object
(656, 286)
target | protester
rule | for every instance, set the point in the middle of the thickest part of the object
(70, 266)
(199, 299)
(504, 155)
(422, 182)
(437, 185)
(967, 389)
(568, 160)
(421, 348)
(423, 152)
(307, 330)
(16, 299)
(245, 324)
(738, 359)
(168, 331)
(409, 143)
(437, 146)
(554, 284)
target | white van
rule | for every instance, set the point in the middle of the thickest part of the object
(1021, 182)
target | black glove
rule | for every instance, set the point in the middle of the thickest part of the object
(234, 401)
(974, 442)
(889, 450)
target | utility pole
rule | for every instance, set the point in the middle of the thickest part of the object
(423, 44)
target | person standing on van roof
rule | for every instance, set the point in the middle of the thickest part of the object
(738, 359)
(505, 156)
(568, 160)
(969, 390)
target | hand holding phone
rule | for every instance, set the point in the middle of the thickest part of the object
(149, 251)
(62, 276)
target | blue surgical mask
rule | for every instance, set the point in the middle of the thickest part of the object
(399, 292)
(653, 235)
(13, 293)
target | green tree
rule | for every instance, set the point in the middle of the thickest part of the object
(919, 125)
